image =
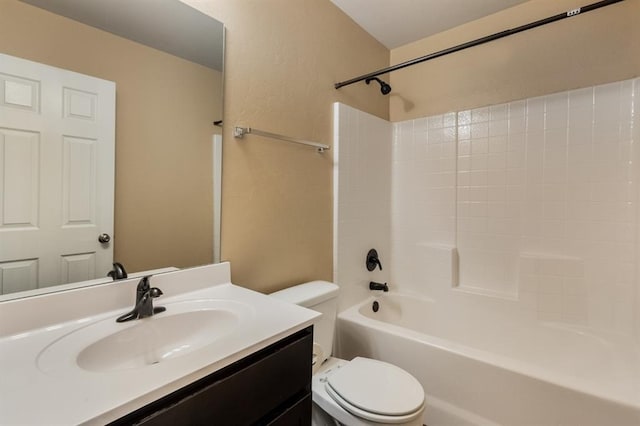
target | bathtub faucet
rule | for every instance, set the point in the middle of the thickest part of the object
(378, 286)
(373, 261)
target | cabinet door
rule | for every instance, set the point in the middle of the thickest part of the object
(296, 415)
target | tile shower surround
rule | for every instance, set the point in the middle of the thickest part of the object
(530, 204)
(362, 193)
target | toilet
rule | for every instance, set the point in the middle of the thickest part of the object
(360, 392)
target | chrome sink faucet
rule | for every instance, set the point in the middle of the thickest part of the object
(144, 302)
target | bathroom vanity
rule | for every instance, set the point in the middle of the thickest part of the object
(219, 354)
(269, 387)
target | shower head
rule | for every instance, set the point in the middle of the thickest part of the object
(384, 87)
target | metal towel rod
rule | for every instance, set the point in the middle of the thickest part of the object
(239, 133)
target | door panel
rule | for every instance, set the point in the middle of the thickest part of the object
(19, 275)
(21, 93)
(19, 159)
(78, 267)
(79, 181)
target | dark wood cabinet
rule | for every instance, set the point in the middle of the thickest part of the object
(269, 387)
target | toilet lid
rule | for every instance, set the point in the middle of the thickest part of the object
(377, 387)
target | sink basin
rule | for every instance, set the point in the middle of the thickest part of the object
(107, 346)
(162, 338)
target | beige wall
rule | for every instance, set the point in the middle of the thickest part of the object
(165, 106)
(589, 49)
(282, 60)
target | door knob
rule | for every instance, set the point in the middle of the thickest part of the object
(104, 238)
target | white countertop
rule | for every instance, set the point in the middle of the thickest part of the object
(71, 395)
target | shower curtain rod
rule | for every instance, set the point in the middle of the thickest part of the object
(481, 40)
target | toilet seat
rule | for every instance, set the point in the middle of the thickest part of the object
(374, 391)
(367, 415)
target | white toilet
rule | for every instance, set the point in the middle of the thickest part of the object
(360, 392)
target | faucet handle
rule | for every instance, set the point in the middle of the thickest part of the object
(155, 292)
(373, 260)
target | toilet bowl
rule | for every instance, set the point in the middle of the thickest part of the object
(360, 392)
(367, 392)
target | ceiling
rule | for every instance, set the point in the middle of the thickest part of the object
(397, 22)
(167, 25)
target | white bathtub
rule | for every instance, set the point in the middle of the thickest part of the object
(482, 370)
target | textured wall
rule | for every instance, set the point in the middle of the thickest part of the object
(163, 201)
(590, 49)
(282, 60)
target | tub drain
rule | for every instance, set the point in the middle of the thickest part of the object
(375, 306)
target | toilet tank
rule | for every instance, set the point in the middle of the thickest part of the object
(321, 296)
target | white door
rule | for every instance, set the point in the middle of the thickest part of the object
(57, 154)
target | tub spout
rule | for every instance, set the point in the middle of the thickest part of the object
(378, 286)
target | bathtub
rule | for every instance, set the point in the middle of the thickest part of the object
(480, 370)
